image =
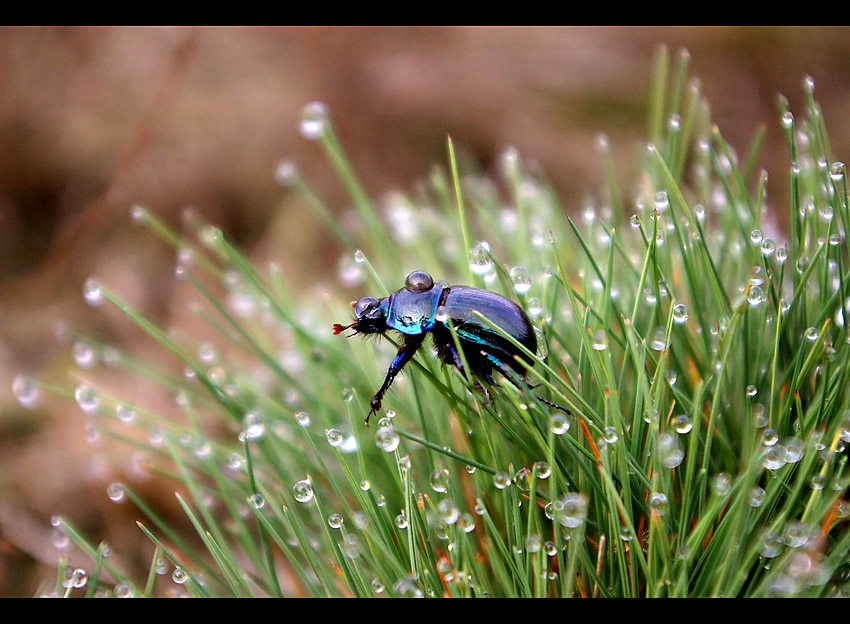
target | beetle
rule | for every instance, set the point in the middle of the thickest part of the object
(424, 307)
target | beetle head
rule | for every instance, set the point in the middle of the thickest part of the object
(370, 317)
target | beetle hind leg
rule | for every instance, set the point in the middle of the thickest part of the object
(517, 379)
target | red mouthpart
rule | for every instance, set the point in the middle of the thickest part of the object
(338, 329)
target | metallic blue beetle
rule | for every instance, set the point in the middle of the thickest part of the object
(423, 307)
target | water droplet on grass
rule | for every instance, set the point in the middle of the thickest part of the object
(439, 480)
(335, 437)
(303, 491)
(570, 509)
(256, 501)
(116, 493)
(521, 279)
(479, 259)
(26, 392)
(680, 313)
(501, 480)
(314, 120)
(87, 398)
(559, 423)
(447, 511)
(682, 424)
(670, 451)
(387, 439)
(92, 293)
(720, 484)
(658, 503)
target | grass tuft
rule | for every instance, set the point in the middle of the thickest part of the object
(702, 352)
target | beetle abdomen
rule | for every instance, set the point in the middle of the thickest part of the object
(461, 301)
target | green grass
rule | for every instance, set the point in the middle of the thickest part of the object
(704, 361)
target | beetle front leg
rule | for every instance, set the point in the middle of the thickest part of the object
(405, 354)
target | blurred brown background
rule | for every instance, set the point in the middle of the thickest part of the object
(95, 119)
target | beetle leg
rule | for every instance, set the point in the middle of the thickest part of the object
(405, 354)
(513, 377)
(458, 363)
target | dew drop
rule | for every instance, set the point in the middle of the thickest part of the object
(92, 294)
(756, 498)
(559, 423)
(87, 398)
(570, 509)
(812, 334)
(335, 521)
(680, 313)
(466, 522)
(253, 426)
(179, 576)
(138, 214)
(314, 121)
(387, 439)
(257, 501)
(521, 279)
(447, 511)
(335, 437)
(836, 171)
(661, 201)
(286, 173)
(116, 493)
(600, 340)
(657, 503)
(303, 491)
(794, 448)
(542, 344)
(720, 484)
(59, 538)
(26, 392)
(479, 259)
(768, 246)
(670, 451)
(303, 419)
(501, 480)
(682, 424)
(440, 480)
(817, 481)
(85, 356)
(543, 469)
(771, 544)
(773, 457)
(658, 340)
